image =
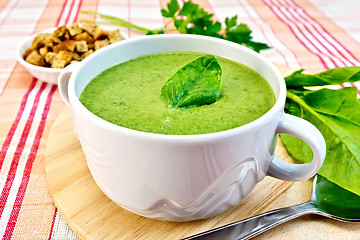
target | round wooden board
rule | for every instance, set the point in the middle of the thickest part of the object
(94, 216)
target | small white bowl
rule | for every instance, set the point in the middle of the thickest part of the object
(46, 74)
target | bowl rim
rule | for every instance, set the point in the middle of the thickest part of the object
(76, 105)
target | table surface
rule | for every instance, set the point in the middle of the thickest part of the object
(312, 34)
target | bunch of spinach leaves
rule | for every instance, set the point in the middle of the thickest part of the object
(336, 113)
(192, 19)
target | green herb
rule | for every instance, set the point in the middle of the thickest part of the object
(195, 84)
(192, 19)
(335, 200)
(336, 113)
(241, 33)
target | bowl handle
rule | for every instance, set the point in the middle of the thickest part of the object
(63, 81)
(307, 132)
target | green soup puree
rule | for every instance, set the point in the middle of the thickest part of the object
(128, 95)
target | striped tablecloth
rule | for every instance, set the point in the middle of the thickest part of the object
(311, 34)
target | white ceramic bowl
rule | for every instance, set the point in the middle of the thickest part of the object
(184, 177)
(46, 74)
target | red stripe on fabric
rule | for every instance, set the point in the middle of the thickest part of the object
(61, 13)
(14, 125)
(40, 17)
(305, 32)
(1, 24)
(282, 17)
(333, 50)
(52, 224)
(78, 11)
(320, 39)
(69, 13)
(31, 158)
(15, 34)
(334, 47)
(324, 55)
(354, 60)
(19, 149)
(265, 35)
(28, 167)
(330, 40)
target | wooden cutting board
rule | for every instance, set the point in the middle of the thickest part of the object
(92, 215)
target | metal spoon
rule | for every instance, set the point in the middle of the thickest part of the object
(324, 201)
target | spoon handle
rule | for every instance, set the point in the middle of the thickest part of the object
(250, 227)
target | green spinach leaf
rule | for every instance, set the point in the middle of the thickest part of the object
(333, 76)
(336, 113)
(335, 200)
(195, 84)
(340, 103)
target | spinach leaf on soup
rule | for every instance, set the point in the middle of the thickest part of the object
(195, 84)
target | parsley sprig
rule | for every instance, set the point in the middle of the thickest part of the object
(192, 19)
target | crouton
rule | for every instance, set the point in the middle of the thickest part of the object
(74, 29)
(76, 57)
(27, 52)
(44, 50)
(90, 51)
(51, 40)
(49, 57)
(65, 45)
(35, 58)
(91, 45)
(114, 36)
(65, 55)
(62, 59)
(66, 36)
(39, 40)
(90, 28)
(100, 44)
(84, 36)
(60, 63)
(100, 34)
(60, 31)
(81, 46)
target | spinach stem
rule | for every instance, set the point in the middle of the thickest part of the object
(115, 21)
(301, 102)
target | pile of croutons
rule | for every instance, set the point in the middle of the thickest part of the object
(68, 44)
